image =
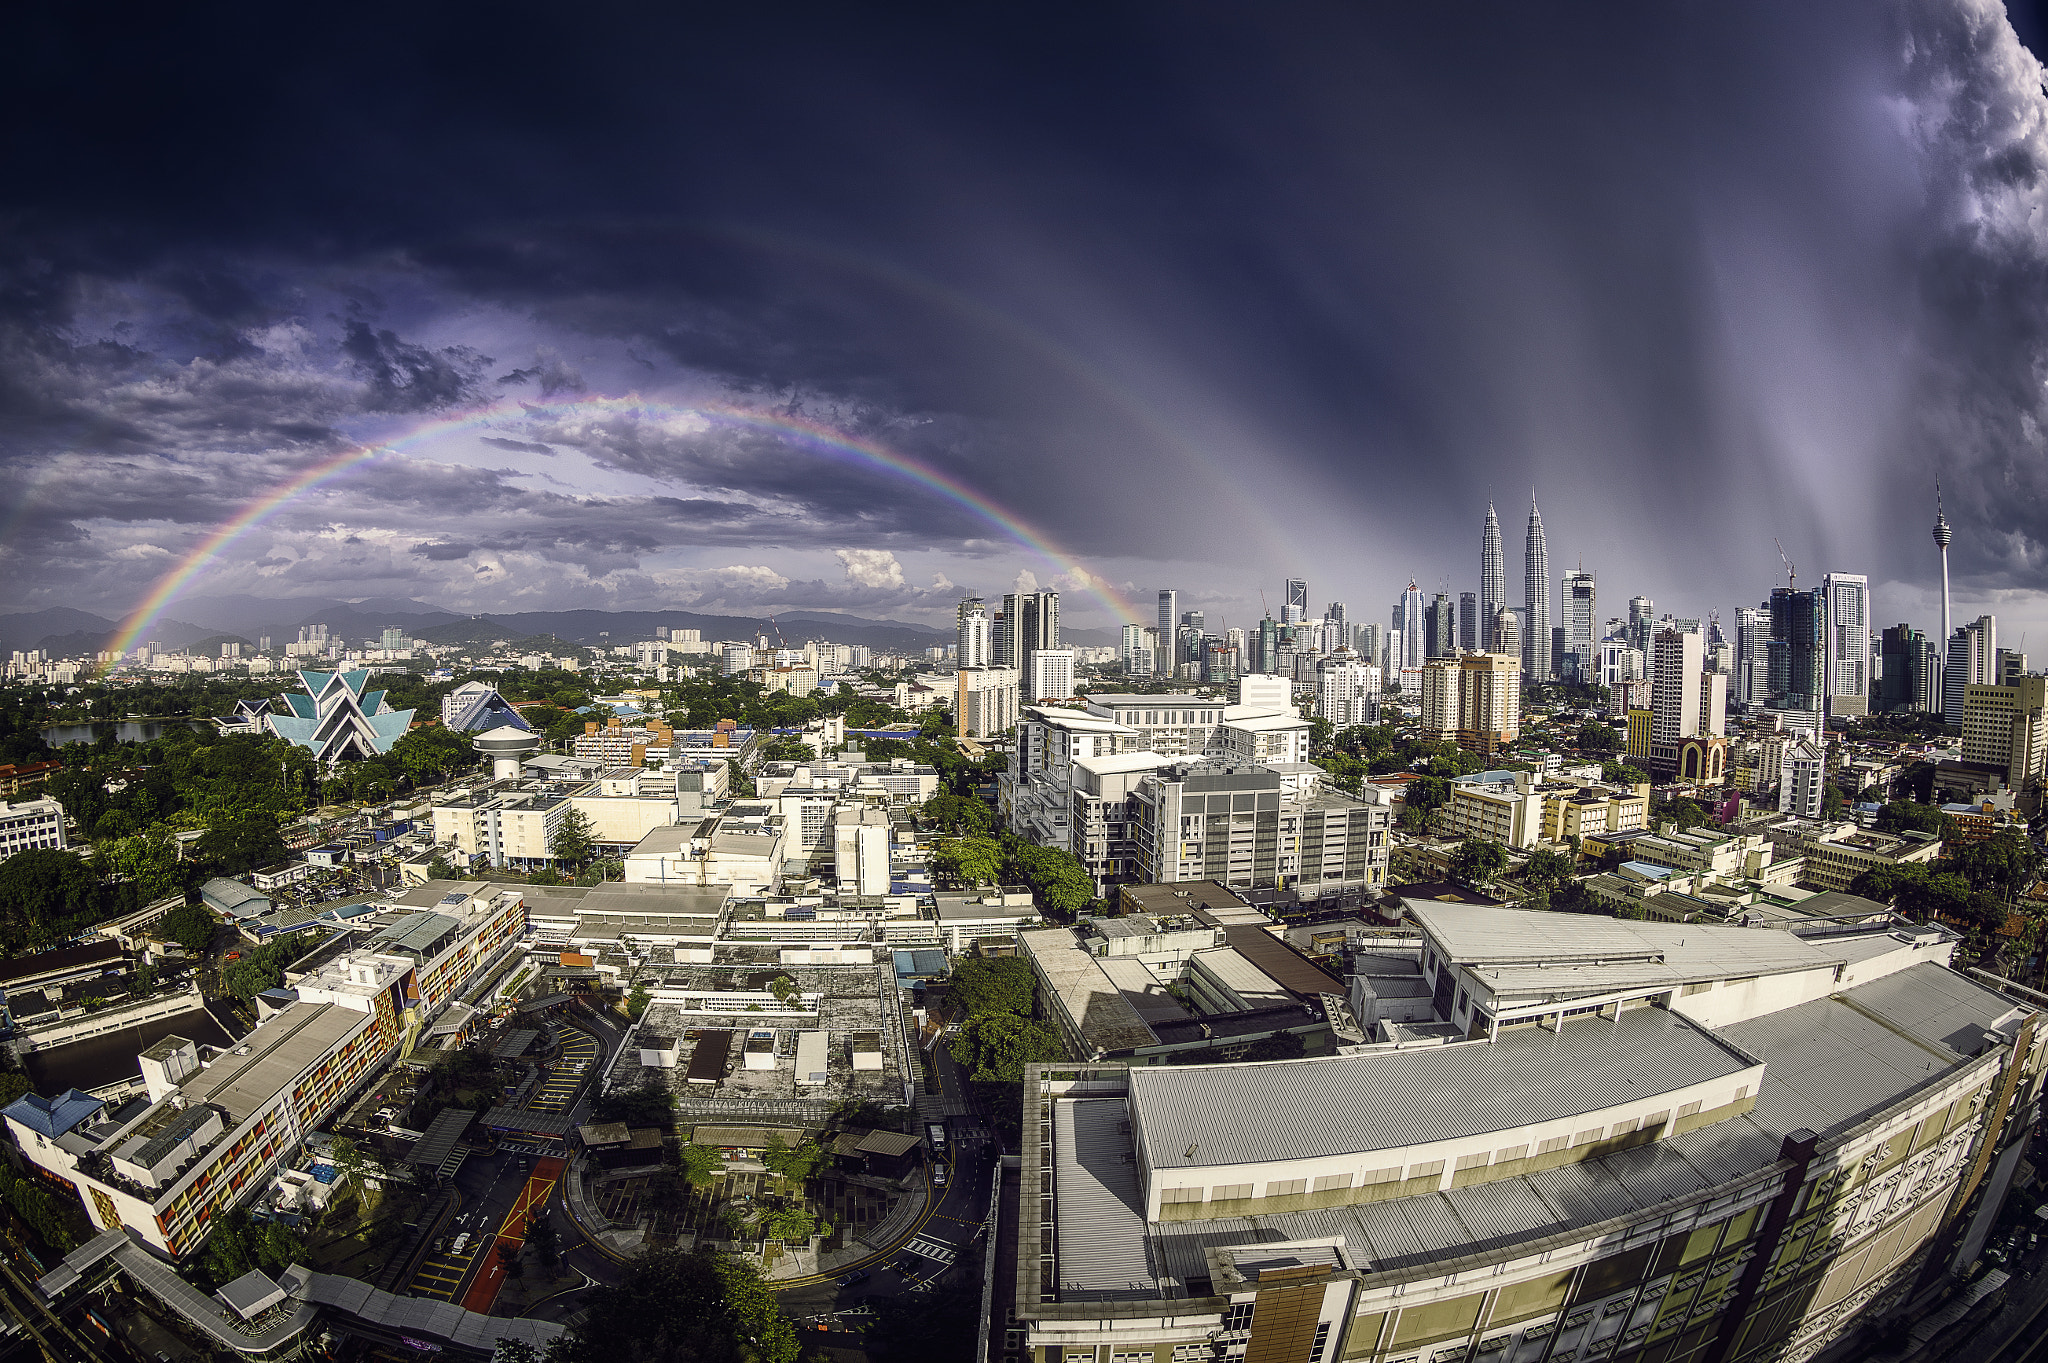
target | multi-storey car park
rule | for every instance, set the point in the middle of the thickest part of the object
(1655, 1142)
(213, 1128)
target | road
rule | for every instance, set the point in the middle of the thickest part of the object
(947, 1232)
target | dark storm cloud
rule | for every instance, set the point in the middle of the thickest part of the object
(1190, 283)
(411, 378)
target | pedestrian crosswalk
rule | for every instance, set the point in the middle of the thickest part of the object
(928, 1249)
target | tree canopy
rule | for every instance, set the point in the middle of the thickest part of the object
(682, 1304)
(995, 1047)
(1478, 862)
(1001, 984)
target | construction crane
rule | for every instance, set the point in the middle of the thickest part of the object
(1791, 574)
(778, 633)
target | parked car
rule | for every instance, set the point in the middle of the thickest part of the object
(849, 1279)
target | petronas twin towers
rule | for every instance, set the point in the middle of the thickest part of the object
(1493, 590)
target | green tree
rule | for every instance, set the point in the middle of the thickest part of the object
(648, 1105)
(1478, 862)
(241, 842)
(1003, 984)
(1057, 879)
(967, 861)
(574, 839)
(348, 1160)
(440, 869)
(432, 751)
(1685, 813)
(1596, 737)
(957, 813)
(637, 1001)
(191, 926)
(789, 1224)
(702, 1165)
(1621, 773)
(515, 1267)
(43, 890)
(995, 1047)
(794, 1163)
(150, 859)
(682, 1304)
(1546, 869)
(545, 1239)
(1910, 816)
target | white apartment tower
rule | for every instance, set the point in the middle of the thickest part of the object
(1675, 685)
(1972, 660)
(971, 621)
(1845, 685)
(1169, 619)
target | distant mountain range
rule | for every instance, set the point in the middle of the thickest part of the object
(208, 621)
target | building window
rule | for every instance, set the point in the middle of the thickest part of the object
(1239, 1315)
(1315, 1350)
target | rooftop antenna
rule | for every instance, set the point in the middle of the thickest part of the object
(1791, 575)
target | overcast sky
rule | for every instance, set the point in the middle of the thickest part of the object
(1200, 296)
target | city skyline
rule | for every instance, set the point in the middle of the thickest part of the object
(623, 368)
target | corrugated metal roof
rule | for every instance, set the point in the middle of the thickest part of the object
(1104, 1254)
(1351, 1104)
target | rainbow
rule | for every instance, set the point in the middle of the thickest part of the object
(797, 430)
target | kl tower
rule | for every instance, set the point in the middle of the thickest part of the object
(1941, 538)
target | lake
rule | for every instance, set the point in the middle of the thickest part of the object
(126, 730)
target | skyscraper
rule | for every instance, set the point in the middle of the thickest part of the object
(1847, 675)
(1642, 611)
(1295, 611)
(1752, 652)
(1581, 623)
(1799, 650)
(971, 625)
(1032, 623)
(1442, 623)
(1910, 672)
(1169, 613)
(1414, 634)
(1468, 622)
(1972, 660)
(1493, 578)
(1536, 592)
(1941, 539)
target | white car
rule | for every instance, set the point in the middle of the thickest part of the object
(938, 1176)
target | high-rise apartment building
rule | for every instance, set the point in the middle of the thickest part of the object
(1266, 658)
(1581, 624)
(1536, 641)
(1052, 674)
(1468, 621)
(1474, 700)
(1372, 645)
(1752, 684)
(1971, 660)
(1169, 617)
(1032, 622)
(1493, 578)
(986, 701)
(1133, 640)
(971, 633)
(1295, 609)
(1847, 670)
(1347, 693)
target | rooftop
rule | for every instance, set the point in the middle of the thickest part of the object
(1389, 1099)
(277, 1052)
